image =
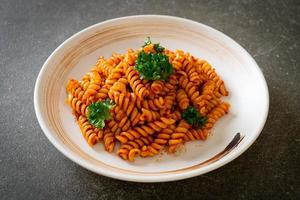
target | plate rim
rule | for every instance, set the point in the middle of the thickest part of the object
(138, 178)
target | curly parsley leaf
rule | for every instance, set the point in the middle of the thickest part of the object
(194, 118)
(98, 112)
(147, 42)
(153, 66)
(158, 48)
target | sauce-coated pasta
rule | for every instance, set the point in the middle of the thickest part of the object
(146, 116)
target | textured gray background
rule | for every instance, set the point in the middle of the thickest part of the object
(31, 168)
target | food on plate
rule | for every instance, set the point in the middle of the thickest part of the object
(147, 100)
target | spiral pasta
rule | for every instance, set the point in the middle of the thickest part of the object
(177, 137)
(147, 116)
(216, 113)
(211, 73)
(182, 99)
(77, 105)
(135, 83)
(109, 141)
(138, 143)
(157, 87)
(91, 134)
(145, 130)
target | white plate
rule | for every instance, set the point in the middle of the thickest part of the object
(248, 97)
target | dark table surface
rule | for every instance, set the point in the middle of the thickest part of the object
(30, 166)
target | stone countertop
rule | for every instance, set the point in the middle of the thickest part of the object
(31, 167)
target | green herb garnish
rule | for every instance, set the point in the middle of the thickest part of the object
(193, 117)
(153, 66)
(147, 42)
(98, 112)
(158, 48)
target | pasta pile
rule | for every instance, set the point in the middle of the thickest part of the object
(146, 116)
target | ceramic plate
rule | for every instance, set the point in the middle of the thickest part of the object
(248, 96)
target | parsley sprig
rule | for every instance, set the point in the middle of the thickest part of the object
(153, 66)
(194, 118)
(98, 112)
